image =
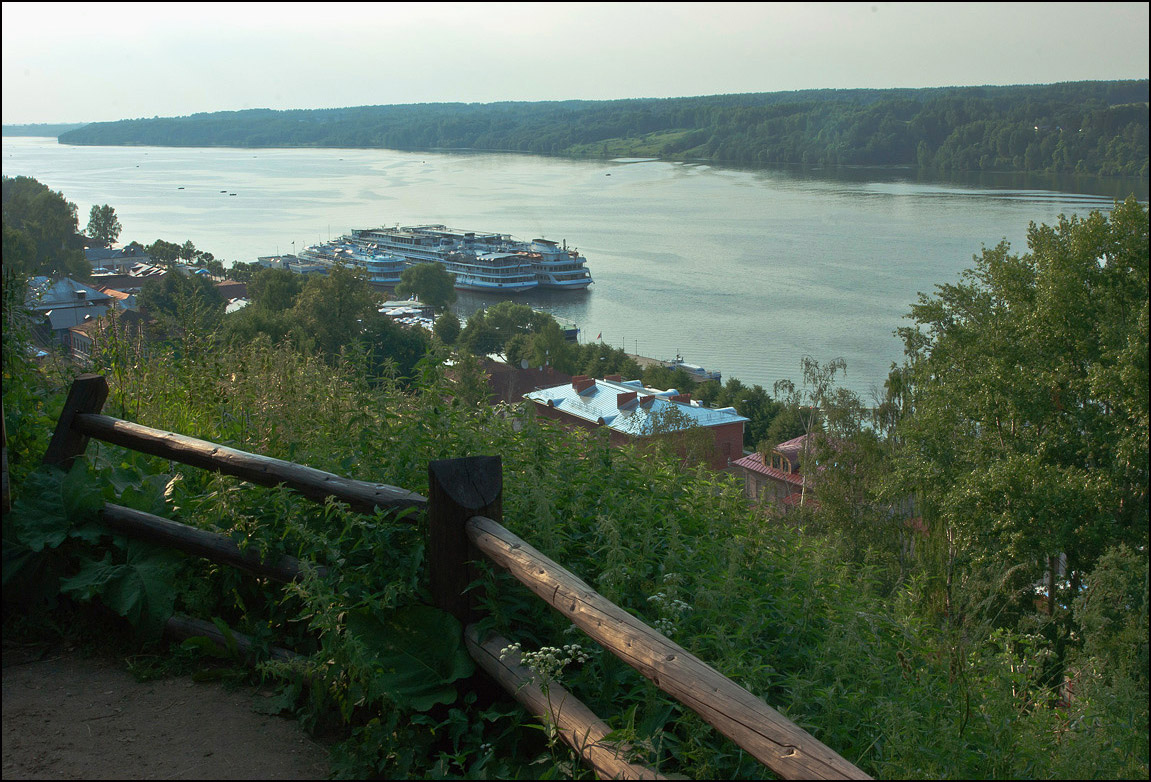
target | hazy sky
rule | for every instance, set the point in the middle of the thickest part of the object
(79, 62)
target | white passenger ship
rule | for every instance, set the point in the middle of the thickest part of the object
(382, 269)
(483, 261)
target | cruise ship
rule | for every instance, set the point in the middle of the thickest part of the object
(490, 262)
(381, 268)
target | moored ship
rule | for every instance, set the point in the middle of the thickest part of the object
(484, 261)
(381, 268)
(558, 267)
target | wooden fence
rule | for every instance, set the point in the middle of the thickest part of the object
(463, 514)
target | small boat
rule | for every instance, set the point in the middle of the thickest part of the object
(697, 372)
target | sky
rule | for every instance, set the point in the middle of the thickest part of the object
(91, 62)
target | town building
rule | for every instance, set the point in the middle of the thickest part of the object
(62, 304)
(633, 414)
(131, 281)
(230, 289)
(117, 260)
(85, 337)
(774, 478)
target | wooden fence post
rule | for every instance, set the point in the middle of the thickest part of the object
(87, 395)
(459, 489)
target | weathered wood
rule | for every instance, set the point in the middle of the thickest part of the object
(87, 395)
(201, 543)
(263, 470)
(774, 740)
(575, 722)
(457, 490)
(181, 628)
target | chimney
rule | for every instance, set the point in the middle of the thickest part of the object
(613, 378)
(582, 383)
(684, 398)
(624, 398)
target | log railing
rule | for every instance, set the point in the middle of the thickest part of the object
(463, 514)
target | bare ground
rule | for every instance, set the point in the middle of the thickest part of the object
(67, 716)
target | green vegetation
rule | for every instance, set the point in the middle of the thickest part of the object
(103, 225)
(334, 315)
(916, 618)
(432, 282)
(41, 233)
(1082, 127)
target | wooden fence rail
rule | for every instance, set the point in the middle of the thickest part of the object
(80, 421)
(770, 737)
(464, 511)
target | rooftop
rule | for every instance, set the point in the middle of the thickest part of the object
(627, 406)
(754, 463)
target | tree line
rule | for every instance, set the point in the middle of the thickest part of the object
(1096, 128)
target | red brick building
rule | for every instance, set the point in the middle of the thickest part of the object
(775, 478)
(632, 413)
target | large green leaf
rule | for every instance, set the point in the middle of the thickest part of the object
(140, 589)
(415, 654)
(53, 505)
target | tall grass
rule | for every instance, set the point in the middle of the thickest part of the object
(829, 643)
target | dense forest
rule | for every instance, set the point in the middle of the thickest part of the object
(1081, 127)
(967, 596)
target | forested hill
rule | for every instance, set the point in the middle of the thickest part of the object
(41, 129)
(1083, 127)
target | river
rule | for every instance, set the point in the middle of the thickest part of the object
(744, 271)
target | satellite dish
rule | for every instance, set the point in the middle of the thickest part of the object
(523, 363)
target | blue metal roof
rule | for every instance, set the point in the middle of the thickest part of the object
(599, 403)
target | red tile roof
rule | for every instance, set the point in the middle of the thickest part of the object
(793, 447)
(754, 463)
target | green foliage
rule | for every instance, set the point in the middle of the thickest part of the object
(187, 307)
(830, 620)
(275, 290)
(1112, 615)
(407, 657)
(103, 225)
(40, 232)
(1076, 127)
(390, 349)
(447, 328)
(1017, 443)
(52, 546)
(754, 403)
(164, 251)
(596, 359)
(139, 589)
(244, 272)
(332, 308)
(432, 282)
(658, 376)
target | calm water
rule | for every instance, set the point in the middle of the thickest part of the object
(742, 271)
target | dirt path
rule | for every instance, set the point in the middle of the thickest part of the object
(70, 717)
